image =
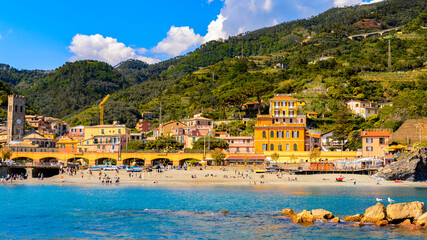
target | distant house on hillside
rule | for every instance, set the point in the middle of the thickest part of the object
(411, 131)
(362, 108)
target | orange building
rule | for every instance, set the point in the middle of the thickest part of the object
(284, 129)
(374, 142)
(67, 145)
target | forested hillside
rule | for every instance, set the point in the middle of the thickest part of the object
(321, 66)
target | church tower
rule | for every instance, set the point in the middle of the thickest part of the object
(15, 118)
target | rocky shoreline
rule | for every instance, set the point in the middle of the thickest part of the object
(410, 215)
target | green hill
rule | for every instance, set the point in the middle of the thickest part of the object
(214, 79)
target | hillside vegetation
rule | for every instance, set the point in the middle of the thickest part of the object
(321, 66)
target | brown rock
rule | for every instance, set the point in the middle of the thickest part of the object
(354, 218)
(421, 220)
(224, 211)
(375, 213)
(401, 211)
(381, 223)
(336, 220)
(297, 219)
(288, 212)
(322, 214)
(406, 222)
(358, 224)
(306, 216)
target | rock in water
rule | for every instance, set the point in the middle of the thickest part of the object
(411, 167)
(288, 212)
(421, 220)
(402, 211)
(224, 212)
(322, 214)
(354, 218)
(306, 216)
(336, 220)
(375, 213)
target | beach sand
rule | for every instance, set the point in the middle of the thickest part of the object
(214, 176)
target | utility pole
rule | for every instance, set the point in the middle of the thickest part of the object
(389, 56)
(420, 128)
(160, 113)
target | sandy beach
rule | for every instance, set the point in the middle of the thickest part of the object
(212, 176)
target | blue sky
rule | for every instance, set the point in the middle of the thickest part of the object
(46, 34)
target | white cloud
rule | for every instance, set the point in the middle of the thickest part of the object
(344, 3)
(178, 40)
(268, 5)
(216, 29)
(107, 49)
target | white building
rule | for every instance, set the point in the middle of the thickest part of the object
(362, 108)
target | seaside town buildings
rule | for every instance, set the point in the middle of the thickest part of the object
(362, 108)
(284, 129)
(375, 142)
(104, 138)
(144, 126)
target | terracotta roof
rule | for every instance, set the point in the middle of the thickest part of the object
(284, 98)
(375, 134)
(327, 132)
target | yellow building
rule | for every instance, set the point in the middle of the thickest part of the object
(284, 129)
(104, 138)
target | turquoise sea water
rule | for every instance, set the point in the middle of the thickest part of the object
(130, 212)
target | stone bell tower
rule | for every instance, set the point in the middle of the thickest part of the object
(15, 118)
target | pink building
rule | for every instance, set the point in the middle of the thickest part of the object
(77, 132)
(239, 144)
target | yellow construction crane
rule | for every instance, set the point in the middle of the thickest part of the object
(101, 106)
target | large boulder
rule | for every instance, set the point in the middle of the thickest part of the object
(288, 212)
(322, 214)
(354, 218)
(375, 213)
(401, 211)
(411, 167)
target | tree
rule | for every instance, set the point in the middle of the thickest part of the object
(236, 97)
(314, 154)
(6, 153)
(218, 156)
(258, 89)
(164, 143)
(343, 125)
(275, 157)
(135, 146)
(210, 143)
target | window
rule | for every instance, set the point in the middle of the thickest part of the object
(382, 140)
(264, 147)
(228, 149)
(369, 140)
(272, 134)
(295, 147)
(271, 147)
(21, 108)
(194, 139)
(247, 149)
(112, 147)
(72, 146)
(287, 134)
(357, 105)
(279, 147)
(119, 130)
(103, 147)
(264, 134)
(369, 149)
(102, 131)
(290, 120)
(80, 130)
(237, 149)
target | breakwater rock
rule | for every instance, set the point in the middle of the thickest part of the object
(408, 215)
(410, 167)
